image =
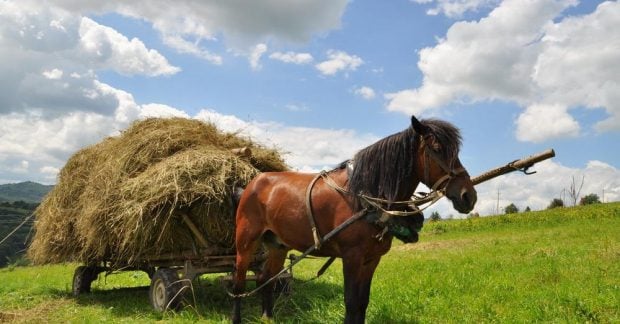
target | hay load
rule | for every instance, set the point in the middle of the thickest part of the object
(120, 200)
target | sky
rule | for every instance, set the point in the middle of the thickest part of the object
(322, 79)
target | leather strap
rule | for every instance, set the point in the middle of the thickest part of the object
(315, 231)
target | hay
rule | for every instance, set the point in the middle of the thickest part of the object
(119, 200)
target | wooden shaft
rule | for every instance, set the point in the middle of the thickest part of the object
(513, 166)
(510, 167)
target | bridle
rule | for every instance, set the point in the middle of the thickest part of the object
(448, 168)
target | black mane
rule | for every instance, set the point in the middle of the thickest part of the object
(385, 169)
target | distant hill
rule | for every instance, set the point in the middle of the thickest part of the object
(25, 191)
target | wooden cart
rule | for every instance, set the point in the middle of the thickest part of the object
(171, 274)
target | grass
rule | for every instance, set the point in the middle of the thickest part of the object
(561, 266)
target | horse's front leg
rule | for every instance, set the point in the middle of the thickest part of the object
(368, 270)
(352, 266)
(273, 265)
(358, 274)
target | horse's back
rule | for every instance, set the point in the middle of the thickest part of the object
(272, 191)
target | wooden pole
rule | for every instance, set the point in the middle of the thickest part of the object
(516, 165)
(521, 164)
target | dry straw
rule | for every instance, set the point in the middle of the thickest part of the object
(119, 200)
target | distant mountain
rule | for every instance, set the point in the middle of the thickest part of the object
(25, 191)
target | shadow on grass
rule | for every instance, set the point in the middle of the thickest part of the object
(121, 301)
(208, 299)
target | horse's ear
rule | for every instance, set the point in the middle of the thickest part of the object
(418, 127)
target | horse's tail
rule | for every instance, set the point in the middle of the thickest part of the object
(236, 196)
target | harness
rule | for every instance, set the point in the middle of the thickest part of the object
(370, 205)
(376, 205)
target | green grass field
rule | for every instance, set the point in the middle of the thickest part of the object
(560, 266)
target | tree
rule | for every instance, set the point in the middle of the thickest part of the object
(435, 216)
(589, 199)
(511, 209)
(555, 203)
(527, 209)
(574, 192)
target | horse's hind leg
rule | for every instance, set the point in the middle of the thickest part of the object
(273, 265)
(247, 241)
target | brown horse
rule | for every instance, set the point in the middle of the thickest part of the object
(273, 208)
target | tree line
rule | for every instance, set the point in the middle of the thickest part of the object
(513, 209)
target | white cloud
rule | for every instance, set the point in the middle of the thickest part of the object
(365, 92)
(47, 142)
(53, 74)
(543, 122)
(184, 46)
(49, 173)
(536, 191)
(455, 8)
(339, 61)
(324, 147)
(159, 110)
(292, 57)
(525, 54)
(187, 24)
(104, 47)
(255, 55)
(53, 57)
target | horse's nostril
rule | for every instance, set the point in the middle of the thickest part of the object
(469, 198)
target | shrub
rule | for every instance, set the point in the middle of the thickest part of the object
(589, 199)
(511, 209)
(556, 202)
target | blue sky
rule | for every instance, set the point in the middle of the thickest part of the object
(323, 79)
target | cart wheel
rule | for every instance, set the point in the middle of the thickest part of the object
(82, 278)
(165, 290)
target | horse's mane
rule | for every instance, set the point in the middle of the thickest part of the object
(385, 169)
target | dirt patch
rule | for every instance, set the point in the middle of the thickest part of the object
(38, 314)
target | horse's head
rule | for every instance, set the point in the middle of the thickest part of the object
(440, 164)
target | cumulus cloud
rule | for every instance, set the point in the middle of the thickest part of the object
(339, 61)
(41, 144)
(187, 25)
(323, 148)
(292, 57)
(543, 122)
(455, 8)
(53, 57)
(365, 92)
(536, 191)
(529, 55)
(159, 110)
(104, 47)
